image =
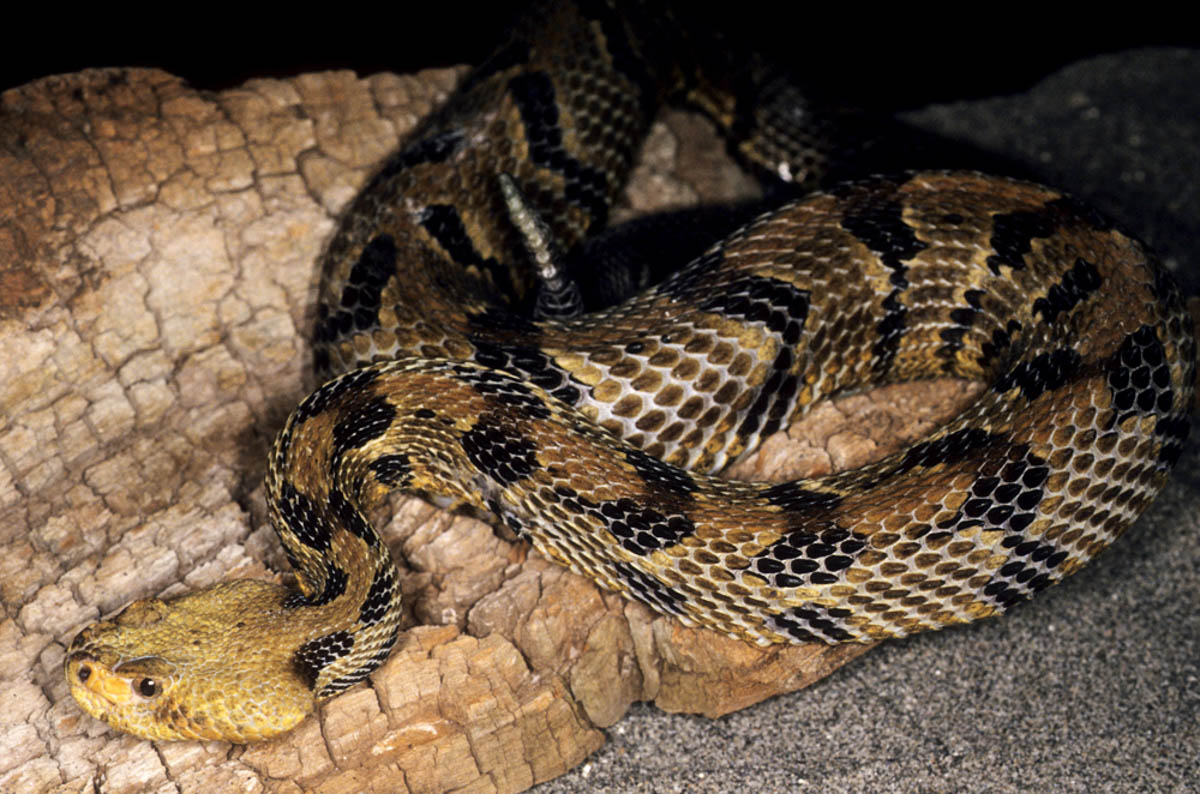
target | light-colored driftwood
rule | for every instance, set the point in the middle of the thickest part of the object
(158, 252)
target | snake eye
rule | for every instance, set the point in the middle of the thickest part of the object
(148, 687)
(85, 672)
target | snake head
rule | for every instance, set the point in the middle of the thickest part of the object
(122, 692)
(164, 669)
(126, 691)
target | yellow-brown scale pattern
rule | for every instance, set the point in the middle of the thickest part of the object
(594, 437)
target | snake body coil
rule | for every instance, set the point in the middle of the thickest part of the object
(593, 437)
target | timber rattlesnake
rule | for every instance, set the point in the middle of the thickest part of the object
(593, 436)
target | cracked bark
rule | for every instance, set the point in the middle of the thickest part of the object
(157, 274)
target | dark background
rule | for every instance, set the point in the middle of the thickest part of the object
(886, 59)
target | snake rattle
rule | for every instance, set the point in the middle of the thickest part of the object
(594, 436)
